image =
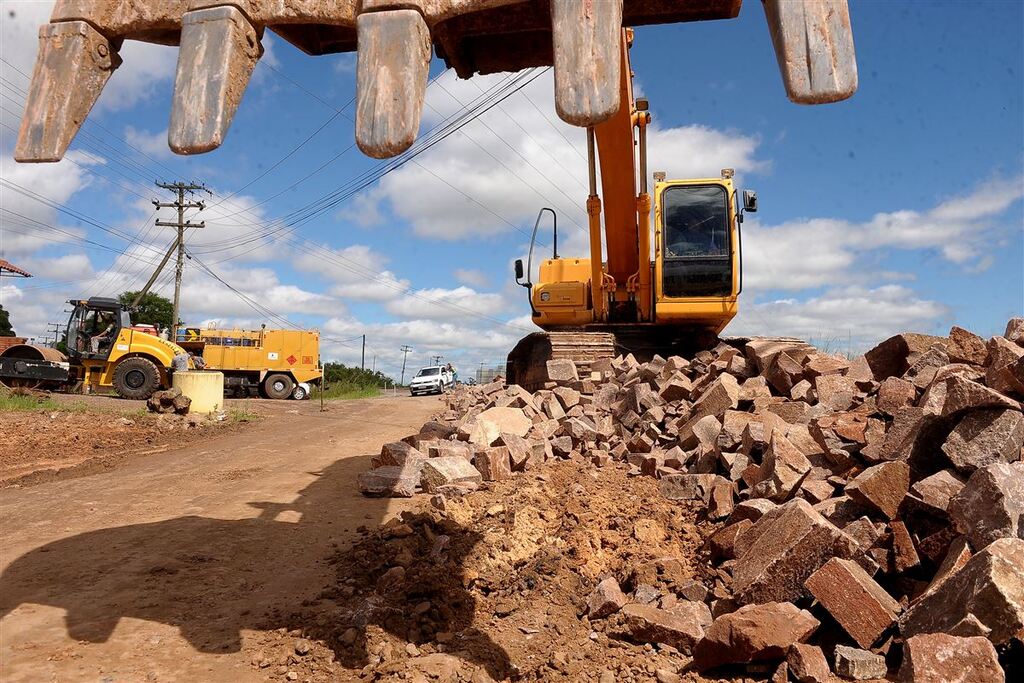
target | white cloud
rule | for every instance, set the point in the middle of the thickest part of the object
(852, 316)
(442, 304)
(472, 277)
(153, 144)
(820, 252)
(497, 171)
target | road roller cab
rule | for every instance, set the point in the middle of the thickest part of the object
(101, 341)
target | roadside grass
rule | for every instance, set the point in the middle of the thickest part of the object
(242, 415)
(343, 391)
(25, 403)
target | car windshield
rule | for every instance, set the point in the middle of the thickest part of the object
(426, 372)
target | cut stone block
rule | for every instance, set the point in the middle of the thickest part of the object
(783, 549)
(720, 396)
(854, 599)
(450, 470)
(493, 422)
(681, 628)
(896, 354)
(754, 633)
(606, 599)
(783, 470)
(882, 487)
(942, 657)
(807, 664)
(562, 370)
(859, 665)
(937, 490)
(391, 481)
(983, 437)
(984, 598)
(494, 464)
(991, 504)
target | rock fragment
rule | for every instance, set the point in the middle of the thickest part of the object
(854, 599)
(754, 633)
(950, 659)
(991, 504)
(859, 665)
(681, 628)
(984, 598)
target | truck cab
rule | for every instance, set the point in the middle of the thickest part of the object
(433, 379)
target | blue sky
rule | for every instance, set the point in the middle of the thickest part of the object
(897, 209)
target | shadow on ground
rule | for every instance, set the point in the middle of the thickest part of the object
(211, 578)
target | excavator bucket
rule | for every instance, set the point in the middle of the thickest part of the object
(220, 45)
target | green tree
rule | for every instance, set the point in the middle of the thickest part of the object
(5, 324)
(152, 310)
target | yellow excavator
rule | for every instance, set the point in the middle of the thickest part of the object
(619, 298)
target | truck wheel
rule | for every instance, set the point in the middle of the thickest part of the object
(136, 378)
(278, 386)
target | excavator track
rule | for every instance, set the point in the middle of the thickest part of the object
(527, 363)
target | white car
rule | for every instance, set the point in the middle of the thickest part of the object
(431, 380)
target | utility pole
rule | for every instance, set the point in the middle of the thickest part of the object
(56, 327)
(362, 358)
(180, 188)
(374, 363)
(436, 360)
(480, 374)
(405, 352)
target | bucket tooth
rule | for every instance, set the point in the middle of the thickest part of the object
(74, 63)
(391, 80)
(586, 39)
(814, 45)
(219, 49)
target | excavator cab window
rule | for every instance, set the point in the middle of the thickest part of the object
(696, 241)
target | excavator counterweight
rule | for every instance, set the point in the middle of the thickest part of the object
(221, 42)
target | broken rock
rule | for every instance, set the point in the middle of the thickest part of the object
(984, 598)
(983, 437)
(606, 599)
(493, 422)
(754, 633)
(991, 504)
(393, 481)
(859, 665)
(950, 659)
(854, 599)
(783, 549)
(807, 664)
(681, 628)
(449, 470)
(882, 487)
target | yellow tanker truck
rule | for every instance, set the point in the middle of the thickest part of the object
(275, 363)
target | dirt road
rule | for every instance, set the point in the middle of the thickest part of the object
(165, 568)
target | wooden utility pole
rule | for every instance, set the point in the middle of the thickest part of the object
(180, 204)
(362, 357)
(405, 354)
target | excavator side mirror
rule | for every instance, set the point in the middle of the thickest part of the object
(519, 273)
(750, 201)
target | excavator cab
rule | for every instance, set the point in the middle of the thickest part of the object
(698, 269)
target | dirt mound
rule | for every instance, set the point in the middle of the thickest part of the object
(493, 585)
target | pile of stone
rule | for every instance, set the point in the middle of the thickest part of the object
(870, 510)
(169, 401)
